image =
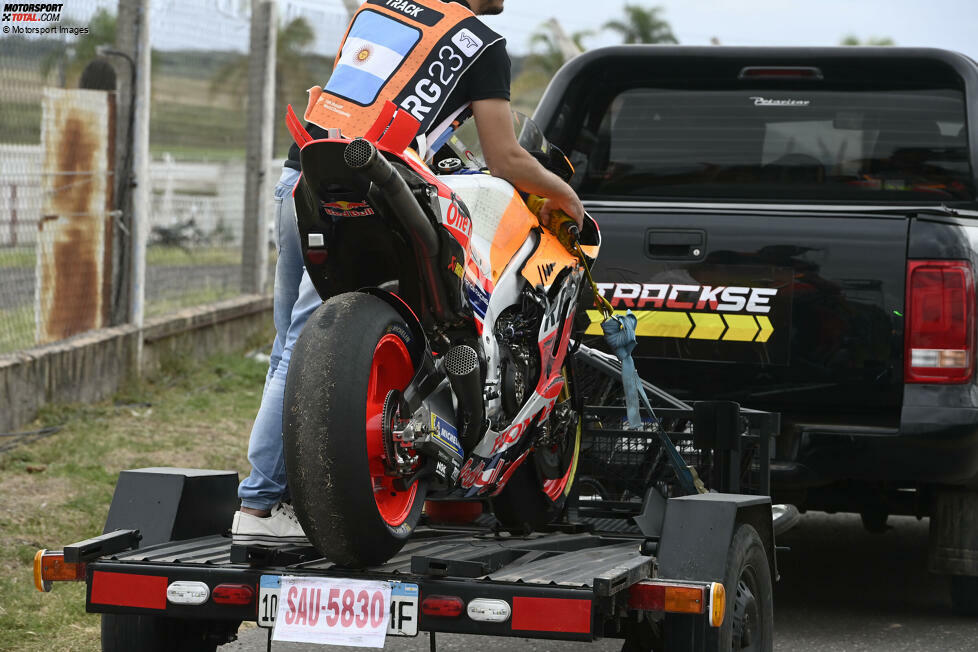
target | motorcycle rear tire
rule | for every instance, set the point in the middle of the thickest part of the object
(353, 350)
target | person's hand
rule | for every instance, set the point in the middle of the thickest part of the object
(570, 204)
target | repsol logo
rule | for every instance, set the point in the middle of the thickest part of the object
(718, 298)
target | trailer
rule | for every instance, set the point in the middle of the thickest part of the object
(629, 559)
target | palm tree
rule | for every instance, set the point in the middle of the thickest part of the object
(642, 26)
(292, 71)
(545, 59)
(852, 39)
(70, 60)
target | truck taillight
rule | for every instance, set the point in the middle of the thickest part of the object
(940, 322)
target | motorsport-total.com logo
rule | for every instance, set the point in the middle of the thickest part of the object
(31, 12)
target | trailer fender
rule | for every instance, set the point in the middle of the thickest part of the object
(171, 504)
(697, 531)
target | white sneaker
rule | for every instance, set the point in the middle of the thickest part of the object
(279, 529)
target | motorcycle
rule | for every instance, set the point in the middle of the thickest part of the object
(435, 370)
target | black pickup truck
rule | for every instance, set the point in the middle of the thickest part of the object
(797, 230)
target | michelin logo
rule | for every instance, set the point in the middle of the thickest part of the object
(446, 433)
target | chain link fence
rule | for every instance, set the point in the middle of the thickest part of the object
(58, 133)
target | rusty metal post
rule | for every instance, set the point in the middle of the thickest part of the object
(261, 108)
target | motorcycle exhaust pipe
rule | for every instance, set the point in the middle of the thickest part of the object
(361, 156)
(465, 377)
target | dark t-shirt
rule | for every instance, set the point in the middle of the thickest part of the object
(487, 78)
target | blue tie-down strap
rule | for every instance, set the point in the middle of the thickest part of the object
(619, 333)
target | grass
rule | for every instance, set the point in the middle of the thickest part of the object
(20, 257)
(16, 328)
(57, 490)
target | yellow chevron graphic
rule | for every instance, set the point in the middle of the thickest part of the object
(766, 328)
(740, 328)
(693, 325)
(709, 326)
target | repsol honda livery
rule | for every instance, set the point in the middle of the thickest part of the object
(796, 230)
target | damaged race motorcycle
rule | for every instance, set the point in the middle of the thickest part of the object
(436, 368)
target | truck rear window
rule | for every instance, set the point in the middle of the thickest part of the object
(902, 145)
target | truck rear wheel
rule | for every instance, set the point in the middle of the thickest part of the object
(157, 634)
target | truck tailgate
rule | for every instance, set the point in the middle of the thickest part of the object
(777, 309)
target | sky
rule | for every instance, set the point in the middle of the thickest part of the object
(951, 24)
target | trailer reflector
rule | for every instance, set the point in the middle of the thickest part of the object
(240, 594)
(552, 615)
(718, 604)
(129, 590)
(50, 566)
(670, 597)
(187, 592)
(443, 606)
(487, 610)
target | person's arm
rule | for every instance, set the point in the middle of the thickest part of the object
(507, 160)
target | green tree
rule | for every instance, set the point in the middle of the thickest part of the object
(69, 59)
(541, 64)
(641, 25)
(292, 71)
(852, 39)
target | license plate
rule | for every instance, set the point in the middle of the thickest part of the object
(404, 605)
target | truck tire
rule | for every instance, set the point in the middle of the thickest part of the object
(157, 634)
(354, 349)
(964, 595)
(749, 621)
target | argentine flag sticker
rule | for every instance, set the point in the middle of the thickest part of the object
(374, 49)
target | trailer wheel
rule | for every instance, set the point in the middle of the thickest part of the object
(156, 634)
(749, 621)
(964, 595)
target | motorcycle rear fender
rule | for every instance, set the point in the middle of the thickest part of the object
(419, 345)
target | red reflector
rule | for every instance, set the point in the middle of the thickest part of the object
(552, 615)
(646, 596)
(316, 256)
(780, 72)
(444, 606)
(939, 322)
(129, 590)
(232, 594)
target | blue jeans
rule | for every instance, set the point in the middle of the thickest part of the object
(295, 299)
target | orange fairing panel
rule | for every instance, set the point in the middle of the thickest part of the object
(547, 261)
(514, 227)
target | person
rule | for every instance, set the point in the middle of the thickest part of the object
(265, 515)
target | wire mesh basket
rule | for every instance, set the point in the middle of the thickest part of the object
(725, 446)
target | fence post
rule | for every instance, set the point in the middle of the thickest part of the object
(132, 162)
(260, 128)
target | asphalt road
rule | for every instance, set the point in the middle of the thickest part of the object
(841, 589)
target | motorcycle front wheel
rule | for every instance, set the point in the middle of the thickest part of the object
(536, 493)
(353, 350)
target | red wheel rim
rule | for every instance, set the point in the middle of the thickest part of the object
(391, 369)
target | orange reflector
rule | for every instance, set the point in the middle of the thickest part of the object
(718, 604)
(445, 606)
(50, 566)
(671, 598)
